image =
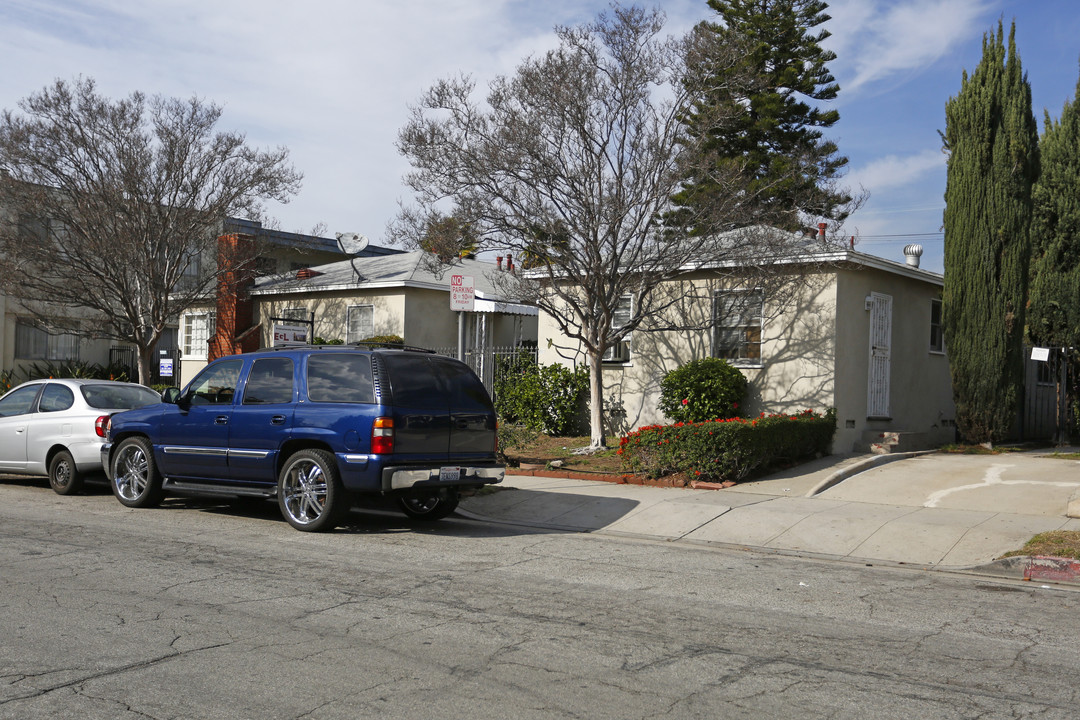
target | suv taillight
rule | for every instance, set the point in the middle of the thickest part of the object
(101, 426)
(382, 436)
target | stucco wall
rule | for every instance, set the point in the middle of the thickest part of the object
(331, 311)
(920, 389)
(815, 355)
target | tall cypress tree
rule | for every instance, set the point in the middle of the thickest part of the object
(1054, 297)
(1054, 306)
(777, 143)
(992, 141)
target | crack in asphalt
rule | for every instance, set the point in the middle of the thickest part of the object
(114, 671)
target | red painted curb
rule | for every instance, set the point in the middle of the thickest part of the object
(1052, 568)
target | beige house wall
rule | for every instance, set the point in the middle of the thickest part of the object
(815, 355)
(920, 387)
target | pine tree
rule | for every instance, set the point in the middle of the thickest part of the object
(778, 141)
(992, 141)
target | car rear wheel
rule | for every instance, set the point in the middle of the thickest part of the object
(310, 493)
(432, 505)
(136, 481)
(64, 477)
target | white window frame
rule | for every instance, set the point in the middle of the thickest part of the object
(620, 352)
(744, 325)
(353, 335)
(196, 329)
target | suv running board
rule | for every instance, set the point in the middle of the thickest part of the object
(181, 486)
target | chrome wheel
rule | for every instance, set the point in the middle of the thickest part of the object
(136, 482)
(309, 490)
(132, 477)
(429, 506)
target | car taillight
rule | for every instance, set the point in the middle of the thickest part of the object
(101, 426)
(382, 436)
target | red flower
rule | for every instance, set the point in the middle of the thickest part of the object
(686, 401)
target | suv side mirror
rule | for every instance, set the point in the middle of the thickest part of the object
(171, 395)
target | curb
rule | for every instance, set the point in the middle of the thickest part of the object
(862, 466)
(1032, 567)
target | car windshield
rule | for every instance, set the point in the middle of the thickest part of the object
(119, 397)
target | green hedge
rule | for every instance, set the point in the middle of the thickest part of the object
(545, 398)
(731, 449)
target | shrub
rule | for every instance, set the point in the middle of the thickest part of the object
(545, 398)
(702, 390)
(384, 340)
(726, 449)
(513, 436)
(77, 369)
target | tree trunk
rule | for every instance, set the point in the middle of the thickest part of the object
(144, 354)
(596, 402)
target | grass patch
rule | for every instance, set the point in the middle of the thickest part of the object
(1056, 543)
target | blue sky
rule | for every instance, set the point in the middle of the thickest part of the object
(332, 81)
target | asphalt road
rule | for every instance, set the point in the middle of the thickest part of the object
(204, 610)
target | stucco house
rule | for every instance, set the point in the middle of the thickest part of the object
(861, 334)
(350, 300)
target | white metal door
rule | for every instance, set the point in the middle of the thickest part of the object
(877, 397)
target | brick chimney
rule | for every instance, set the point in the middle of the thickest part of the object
(235, 310)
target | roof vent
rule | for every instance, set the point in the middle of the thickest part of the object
(912, 253)
(307, 274)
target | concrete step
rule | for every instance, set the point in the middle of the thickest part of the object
(889, 441)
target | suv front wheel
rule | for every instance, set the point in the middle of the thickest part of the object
(136, 481)
(310, 493)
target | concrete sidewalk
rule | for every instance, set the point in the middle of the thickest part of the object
(930, 510)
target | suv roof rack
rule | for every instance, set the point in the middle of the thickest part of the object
(376, 345)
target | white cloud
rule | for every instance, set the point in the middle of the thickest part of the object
(894, 171)
(876, 40)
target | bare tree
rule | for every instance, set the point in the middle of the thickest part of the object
(111, 209)
(571, 166)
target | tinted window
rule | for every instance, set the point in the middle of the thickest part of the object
(215, 385)
(414, 382)
(270, 381)
(340, 377)
(56, 397)
(119, 397)
(18, 401)
(466, 390)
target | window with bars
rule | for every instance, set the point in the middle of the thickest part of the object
(360, 323)
(737, 325)
(197, 330)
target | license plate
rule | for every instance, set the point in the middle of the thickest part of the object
(449, 474)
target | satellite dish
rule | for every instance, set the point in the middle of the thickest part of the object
(352, 243)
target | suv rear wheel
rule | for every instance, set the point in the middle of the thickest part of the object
(431, 505)
(310, 493)
(136, 481)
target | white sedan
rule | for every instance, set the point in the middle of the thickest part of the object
(55, 427)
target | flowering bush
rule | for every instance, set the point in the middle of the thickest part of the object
(702, 390)
(726, 448)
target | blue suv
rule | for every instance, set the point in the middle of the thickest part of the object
(313, 426)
